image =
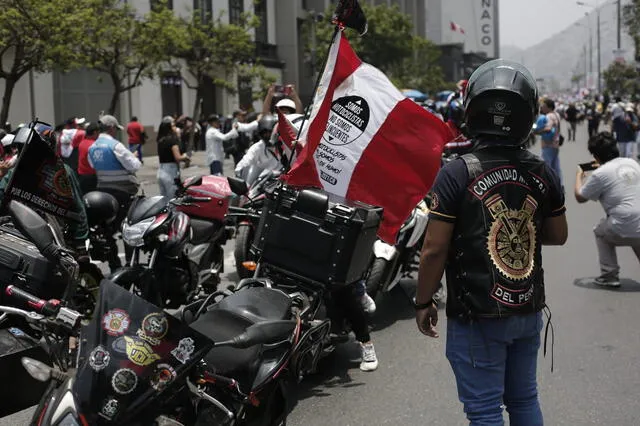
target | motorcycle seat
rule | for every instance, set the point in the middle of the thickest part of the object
(229, 318)
(203, 231)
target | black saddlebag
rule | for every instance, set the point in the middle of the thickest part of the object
(19, 390)
(316, 236)
(22, 265)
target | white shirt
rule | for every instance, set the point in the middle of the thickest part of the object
(213, 139)
(248, 127)
(260, 156)
(616, 184)
(124, 156)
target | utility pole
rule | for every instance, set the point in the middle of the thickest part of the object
(599, 54)
(618, 5)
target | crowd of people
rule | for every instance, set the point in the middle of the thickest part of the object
(485, 308)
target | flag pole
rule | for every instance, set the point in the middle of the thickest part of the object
(336, 31)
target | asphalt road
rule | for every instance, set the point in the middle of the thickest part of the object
(597, 345)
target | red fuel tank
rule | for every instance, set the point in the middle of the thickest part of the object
(215, 187)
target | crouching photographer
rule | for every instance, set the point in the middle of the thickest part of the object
(615, 182)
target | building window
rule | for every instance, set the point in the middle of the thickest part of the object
(205, 7)
(236, 7)
(245, 93)
(168, 3)
(262, 32)
(171, 93)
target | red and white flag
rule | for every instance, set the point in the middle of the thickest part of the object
(365, 141)
(457, 28)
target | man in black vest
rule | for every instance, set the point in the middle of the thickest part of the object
(491, 211)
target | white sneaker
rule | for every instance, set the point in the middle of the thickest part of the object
(368, 304)
(369, 359)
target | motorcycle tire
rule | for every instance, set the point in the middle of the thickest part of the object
(376, 276)
(244, 238)
(89, 279)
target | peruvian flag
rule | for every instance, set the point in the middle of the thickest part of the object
(457, 28)
(366, 142)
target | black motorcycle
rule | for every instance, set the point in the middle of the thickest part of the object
(185, 255)
(45, 331)
(247, 216)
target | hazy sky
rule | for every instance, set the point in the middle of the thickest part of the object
(524, 23)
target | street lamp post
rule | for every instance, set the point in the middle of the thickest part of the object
(597, 10)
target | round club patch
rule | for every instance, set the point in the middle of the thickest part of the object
(124, 381)
(162, 375)
(154, 327)
(99, 358)
(348, 120)
(116, 322)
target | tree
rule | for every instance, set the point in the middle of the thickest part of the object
(622, 78)
(212, 49)
(125, 46)
(420, 70)
(389, 44)
(631, 20)
(29, 41)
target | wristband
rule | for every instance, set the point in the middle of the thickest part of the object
(421, 306)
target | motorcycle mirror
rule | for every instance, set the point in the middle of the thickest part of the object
(238, 186)
(262, 332)
(31, 225)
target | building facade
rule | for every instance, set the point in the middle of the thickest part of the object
(282, 45)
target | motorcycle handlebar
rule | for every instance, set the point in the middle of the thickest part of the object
(44, 307)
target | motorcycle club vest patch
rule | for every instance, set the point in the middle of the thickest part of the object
(494, 266)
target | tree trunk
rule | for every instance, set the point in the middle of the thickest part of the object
(9, 85)
(196, 111)
(117, 91)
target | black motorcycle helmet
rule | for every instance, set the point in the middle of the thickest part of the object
(501, 101)
(102, 208)
(266, 126)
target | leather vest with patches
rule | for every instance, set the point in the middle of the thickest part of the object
(494, 266)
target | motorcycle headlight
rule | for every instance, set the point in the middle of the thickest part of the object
(133, 235)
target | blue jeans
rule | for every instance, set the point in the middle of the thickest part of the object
(136, 147)
(495, 361)
(216, 168)
(551, 157)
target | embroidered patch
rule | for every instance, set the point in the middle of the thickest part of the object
(183, 351)
(154, 327)
(99, 358)
(140, 352)
(124, 381)
(116, 322)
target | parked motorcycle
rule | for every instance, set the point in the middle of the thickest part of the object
(247, 216)
(392, 263)
(43, 331)
(184, 237)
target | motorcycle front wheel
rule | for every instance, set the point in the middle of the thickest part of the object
(376, 277)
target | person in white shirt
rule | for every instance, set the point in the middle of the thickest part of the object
(213, 140)
(269, 153)
(616, 184)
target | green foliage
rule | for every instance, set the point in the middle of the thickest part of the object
(409, 61)
(420, 70)
(210, 48)
(29, 41)
(125, 46)
(631, 21)
(622, 78)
